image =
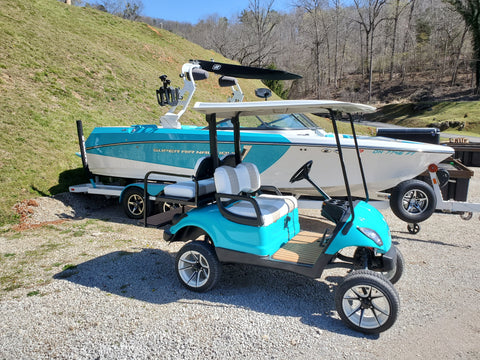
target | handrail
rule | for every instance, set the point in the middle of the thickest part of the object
(145, 190)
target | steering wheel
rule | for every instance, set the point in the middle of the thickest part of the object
(302, 173)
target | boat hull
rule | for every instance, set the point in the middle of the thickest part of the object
(131, 152)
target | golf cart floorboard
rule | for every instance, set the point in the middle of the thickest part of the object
(303, 248)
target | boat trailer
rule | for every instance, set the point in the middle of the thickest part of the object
(462, 208)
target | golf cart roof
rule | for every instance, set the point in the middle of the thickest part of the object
(279, 107)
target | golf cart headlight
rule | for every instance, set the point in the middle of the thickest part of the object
(372, 235)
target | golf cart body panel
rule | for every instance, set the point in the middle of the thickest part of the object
(366, 217)
(256, 240)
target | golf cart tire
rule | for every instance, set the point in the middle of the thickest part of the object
(197, 266)
(426, 201)
(133, 203)
(367, 302)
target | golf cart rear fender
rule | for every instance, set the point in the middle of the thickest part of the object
(366, 217)
(184, 234)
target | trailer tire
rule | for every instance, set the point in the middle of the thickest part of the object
(413, 201)
(134, 204)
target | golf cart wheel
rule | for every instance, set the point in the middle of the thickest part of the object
(393, 275)
(367, 302)
(133, 203)
(197, 266)
(413, 201)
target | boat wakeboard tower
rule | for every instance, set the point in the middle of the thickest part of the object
(198, 70)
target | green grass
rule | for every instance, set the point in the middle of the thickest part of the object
(61, 63)
(423, 114)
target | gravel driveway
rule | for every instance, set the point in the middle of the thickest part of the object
(89, 284)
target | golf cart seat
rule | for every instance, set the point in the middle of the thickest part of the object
(236, 189)
(201, 185)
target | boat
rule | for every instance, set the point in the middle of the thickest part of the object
(275, 143)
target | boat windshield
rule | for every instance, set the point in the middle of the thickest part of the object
(274, 121)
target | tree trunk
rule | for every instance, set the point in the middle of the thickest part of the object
(457, 59)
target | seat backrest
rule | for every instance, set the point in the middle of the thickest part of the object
(249, 174)
(233, 180)
(228, 160)
(204, 168)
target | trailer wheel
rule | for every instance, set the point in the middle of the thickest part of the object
(133, 203)
(197, 266)
(413, 201)
(467, 215)
(413, 228)
(367, 302)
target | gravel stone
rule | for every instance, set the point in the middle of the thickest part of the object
(99, 286)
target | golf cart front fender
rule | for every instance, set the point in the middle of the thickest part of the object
(389, 259)
(366, 217)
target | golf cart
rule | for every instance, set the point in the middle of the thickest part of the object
(235, 219)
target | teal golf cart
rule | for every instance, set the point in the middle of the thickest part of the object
(233, 218)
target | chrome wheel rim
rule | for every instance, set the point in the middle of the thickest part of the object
(415, 201)
(135, 204)
(193, 269)
(366, 306)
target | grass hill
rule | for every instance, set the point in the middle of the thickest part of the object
(60, 63)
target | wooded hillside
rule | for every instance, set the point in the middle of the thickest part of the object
(61, 63)
(409, 49)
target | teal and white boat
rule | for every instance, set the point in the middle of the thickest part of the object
(275, 143)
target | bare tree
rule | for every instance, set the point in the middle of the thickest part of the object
(260, 20)
(369, 12)
(470, 11)
(128, 9)
(312, 11)
(399, 7)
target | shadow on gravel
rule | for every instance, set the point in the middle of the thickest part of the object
(148, 275)
(396, 239)
(97, 207)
